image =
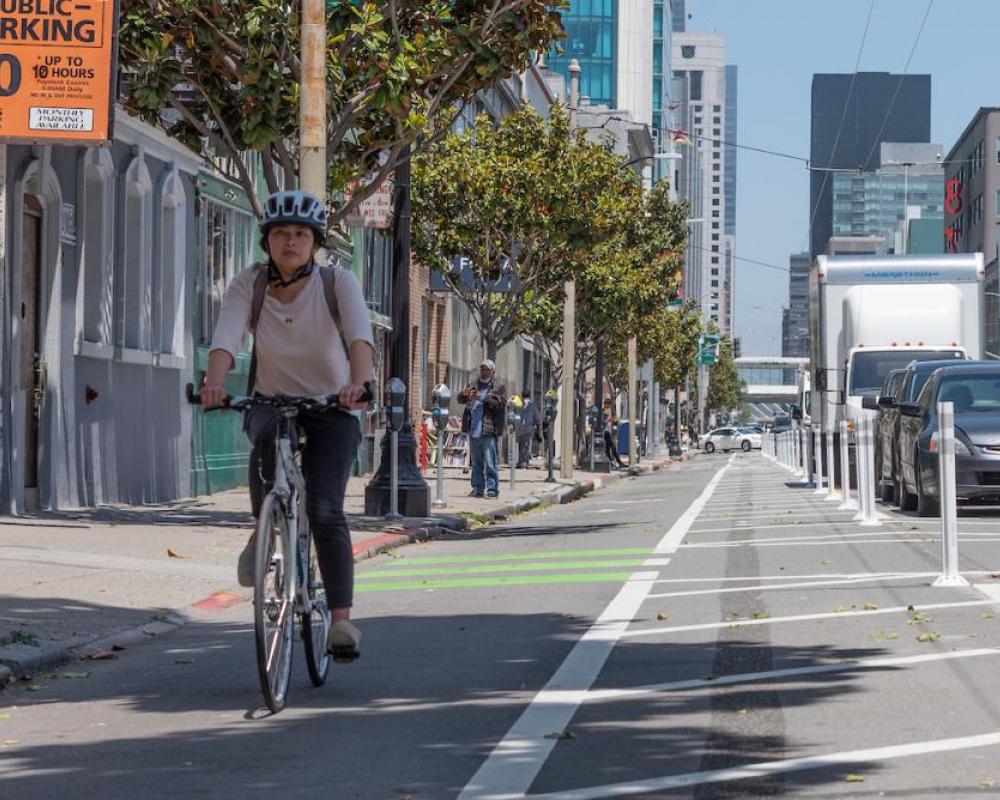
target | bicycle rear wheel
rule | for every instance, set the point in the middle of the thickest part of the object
(316, 620)
(274, 617)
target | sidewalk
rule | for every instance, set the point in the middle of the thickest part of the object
(89, 579)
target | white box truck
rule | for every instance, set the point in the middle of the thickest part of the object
(873, 314)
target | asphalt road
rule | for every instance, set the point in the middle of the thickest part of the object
(707, 631)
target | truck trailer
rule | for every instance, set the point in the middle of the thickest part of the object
(873, 314)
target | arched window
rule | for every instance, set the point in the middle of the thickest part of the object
(97, 244)
(135, 258)
(169, 309)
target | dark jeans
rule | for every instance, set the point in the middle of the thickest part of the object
(612, 452)
(332, 440)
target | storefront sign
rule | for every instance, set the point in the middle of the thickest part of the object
(373, 212)
(58, 60)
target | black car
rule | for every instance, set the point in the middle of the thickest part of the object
(974, 388)
(883, 406)
(915, 375)
(782, 423)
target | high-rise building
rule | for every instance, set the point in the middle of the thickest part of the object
(852, 114)
(678, 15)
(663, 117)
(795, 318)
(875, 203)
(698, 62)
(729, 187)
(611, 41)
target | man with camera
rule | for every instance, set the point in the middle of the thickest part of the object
(483, 420)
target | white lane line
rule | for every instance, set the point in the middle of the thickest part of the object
(771, 516)
(819, 537)
(827, 524)
(792, 543)
(779, 586)
(927, 747)
(850, 665)
(672, 539)
(743, 623)
(818, 575)
(656, 562)
(517, 759)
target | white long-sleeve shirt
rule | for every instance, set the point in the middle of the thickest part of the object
(299, 349)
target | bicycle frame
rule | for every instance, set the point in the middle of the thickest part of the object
(290, 486)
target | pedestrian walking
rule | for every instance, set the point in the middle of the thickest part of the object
(531, 421)
(483, 420)
(609, 438)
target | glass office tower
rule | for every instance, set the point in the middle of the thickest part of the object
(591, 40)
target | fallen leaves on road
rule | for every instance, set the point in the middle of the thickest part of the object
(761, 614)
(661, 616)
(853, 777)
(10, 742)
(560, 735)
(986, 615)
(871, 607)
(928, 636)
(173, 554)
(34, 687)
(74, 674)
(101, 655)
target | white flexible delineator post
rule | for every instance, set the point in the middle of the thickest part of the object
(831, 470)
(818, 457)
(866, 472)
(847, 503)
(950, 575)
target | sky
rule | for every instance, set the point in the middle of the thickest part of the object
(778, 45)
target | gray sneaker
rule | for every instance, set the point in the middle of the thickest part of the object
(245, 566)
(344, 642)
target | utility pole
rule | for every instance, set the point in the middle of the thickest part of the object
(312, 101)
(569, 321)
(633, 456)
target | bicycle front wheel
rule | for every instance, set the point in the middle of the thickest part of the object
(274, 617)
(315, 620)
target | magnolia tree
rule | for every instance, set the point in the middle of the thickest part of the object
(725, 389)
(224, 75)
(506, 213)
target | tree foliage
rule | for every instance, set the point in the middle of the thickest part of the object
(223, 75)
(520, 205)
(725, 389)
(667, 336)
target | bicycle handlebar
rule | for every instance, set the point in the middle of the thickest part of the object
(243, 402)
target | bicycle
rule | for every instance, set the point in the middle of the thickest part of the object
(283, 538)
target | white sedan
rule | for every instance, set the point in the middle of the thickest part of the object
(727, 439)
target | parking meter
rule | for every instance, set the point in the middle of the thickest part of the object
(440, 413)
(550, 408)
(595, 424)
(395, 397)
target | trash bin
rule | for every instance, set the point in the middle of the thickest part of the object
(623, 428)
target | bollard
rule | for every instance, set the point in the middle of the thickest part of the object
(846, 502)
(797, 470)
(831, 470)
(818, 460)
(513, 459)
(867, 516)
(949, 514)
(807, 455)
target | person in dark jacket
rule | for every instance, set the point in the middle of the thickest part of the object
(486, 404)
(531, 423)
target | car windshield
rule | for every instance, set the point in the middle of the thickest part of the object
(779, 421)
(972, 393)
(868, 369)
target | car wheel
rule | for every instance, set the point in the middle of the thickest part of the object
(709, 447)
(927, 506)
(745, 446)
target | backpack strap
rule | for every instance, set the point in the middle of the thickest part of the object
(256, 303)
(329, 277)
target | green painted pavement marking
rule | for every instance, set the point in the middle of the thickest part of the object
(529, 556)
(491, 568)
(513, 580)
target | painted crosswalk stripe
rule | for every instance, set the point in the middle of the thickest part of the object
(493, 580)
(526, 556)
(479, 569)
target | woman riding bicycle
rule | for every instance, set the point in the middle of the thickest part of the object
(300, 350)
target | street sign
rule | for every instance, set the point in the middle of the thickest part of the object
(375, 211)
(708, 349)
(58, 61)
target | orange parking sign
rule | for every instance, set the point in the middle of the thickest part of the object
(57, 67)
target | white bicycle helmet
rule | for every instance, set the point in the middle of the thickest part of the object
(294, 207)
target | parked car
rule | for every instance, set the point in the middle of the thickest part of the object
(754, 433)
(727, 439)
(883, 405)
(975, 390)
(914, 376)
(781, 424)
